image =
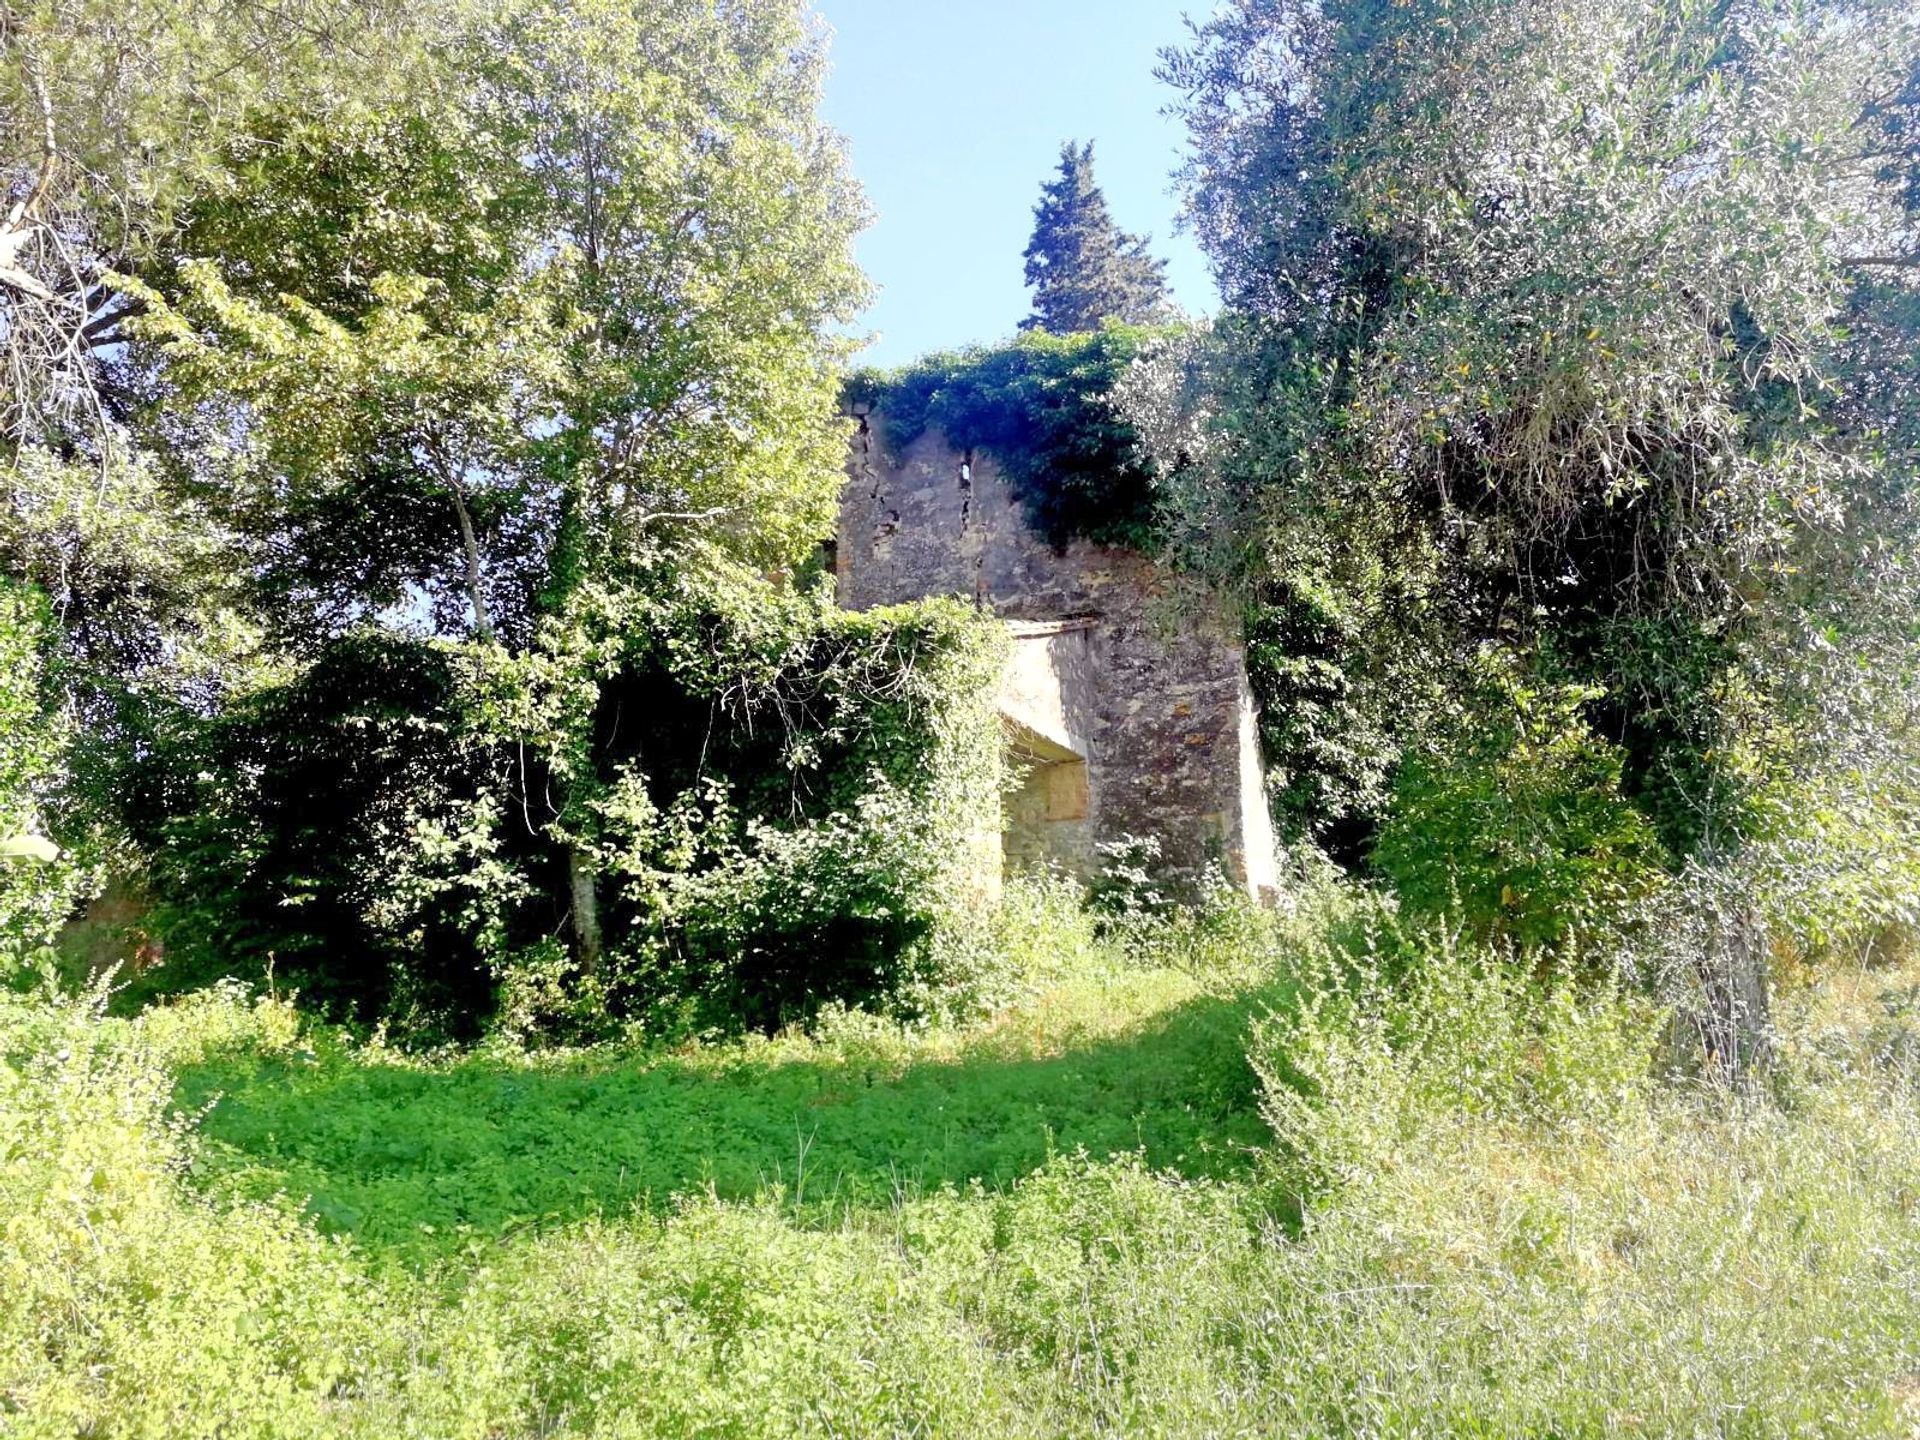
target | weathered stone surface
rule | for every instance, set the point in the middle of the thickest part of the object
(1126, 721)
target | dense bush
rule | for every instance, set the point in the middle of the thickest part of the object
(1340, 702)
(779, 802)
(1519, 828)
(342, 830)
(768, 924)
(788, 801)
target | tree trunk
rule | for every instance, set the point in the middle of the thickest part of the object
(482, 621)
(1736, 1030)
(584, 886)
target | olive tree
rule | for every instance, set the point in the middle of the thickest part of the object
(1578, 330)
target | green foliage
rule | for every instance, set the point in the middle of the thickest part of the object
(1044, 931)
(31, 738)
(1128, 886)
(489, 342)
(1602, 358)
(110, 119)
(1043, 407)
(1506, 1228)
(780, 800)
(143, 575)
(37, 885)
(1391, 1041)
(1451, 356)
(1083, 268)
(1520, 829)
(1482, 328)
(343, 830)
(207, 1310)
(374, 443)
(407, 327)
(797, 817)
(777, 922)
(1343, 690)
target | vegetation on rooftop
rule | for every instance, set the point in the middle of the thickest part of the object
(1044, 408)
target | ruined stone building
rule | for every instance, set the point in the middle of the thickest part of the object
(1121, 721)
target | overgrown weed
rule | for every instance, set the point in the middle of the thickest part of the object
(1480, 1212)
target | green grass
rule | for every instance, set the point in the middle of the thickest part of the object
(419, 1159)
(1483, 1222)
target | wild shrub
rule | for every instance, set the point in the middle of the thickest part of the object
(1519, 827)
(786, 803)
(130, 1303)
(1345, 683)
(1130, 887)
(782, 921)
(776, 803)
(1384, 1045)
(1044, 931)
(347, 829)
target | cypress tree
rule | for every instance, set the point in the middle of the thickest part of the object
(1083, 268)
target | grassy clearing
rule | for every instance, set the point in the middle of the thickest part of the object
(420, 1159)
(1482, 1224)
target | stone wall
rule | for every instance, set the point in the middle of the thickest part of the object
(1154, 710)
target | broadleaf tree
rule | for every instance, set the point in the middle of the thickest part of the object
(110, 116)
(478, 361)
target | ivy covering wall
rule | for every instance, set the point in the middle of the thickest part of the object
(1043, 407)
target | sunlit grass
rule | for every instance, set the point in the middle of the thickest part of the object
(626, 1243)
(423, 1158)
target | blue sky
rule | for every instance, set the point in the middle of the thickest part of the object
(956, 112)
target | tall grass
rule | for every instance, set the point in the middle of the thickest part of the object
(1474, 1210)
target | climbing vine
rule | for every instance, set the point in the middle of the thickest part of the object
(1043, 408)
(778, 800)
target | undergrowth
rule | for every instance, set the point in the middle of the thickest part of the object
(1226, 1178)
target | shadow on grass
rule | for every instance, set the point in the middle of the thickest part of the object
(424, 1162)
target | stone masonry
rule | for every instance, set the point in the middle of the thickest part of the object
(1120, 722)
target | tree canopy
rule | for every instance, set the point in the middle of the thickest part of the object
(1578, 334)
(393, 390)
